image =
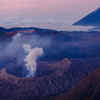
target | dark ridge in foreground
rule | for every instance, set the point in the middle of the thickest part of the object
(86, 89)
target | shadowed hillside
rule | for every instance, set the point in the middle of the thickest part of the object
(86, 89)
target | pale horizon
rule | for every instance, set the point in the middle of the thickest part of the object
(37, 12)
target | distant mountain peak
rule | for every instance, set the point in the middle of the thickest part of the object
(92, 19)
(97, 9)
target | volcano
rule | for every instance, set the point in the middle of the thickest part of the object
(68, 58)
(92, 19)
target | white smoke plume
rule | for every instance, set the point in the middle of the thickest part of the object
(13, 56)
(31, 58)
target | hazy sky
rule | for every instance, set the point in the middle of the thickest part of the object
(54, 9)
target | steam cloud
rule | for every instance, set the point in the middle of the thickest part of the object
(21, 53)
(31, 58)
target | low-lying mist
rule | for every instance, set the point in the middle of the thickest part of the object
(21, 52)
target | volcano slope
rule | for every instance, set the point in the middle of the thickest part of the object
(61, 79)
(86, 89)
(14, 88)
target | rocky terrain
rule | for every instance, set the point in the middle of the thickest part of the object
(62, 78)
(87, 89)
(25, 88)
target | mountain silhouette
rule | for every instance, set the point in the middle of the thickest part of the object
(92, 19)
